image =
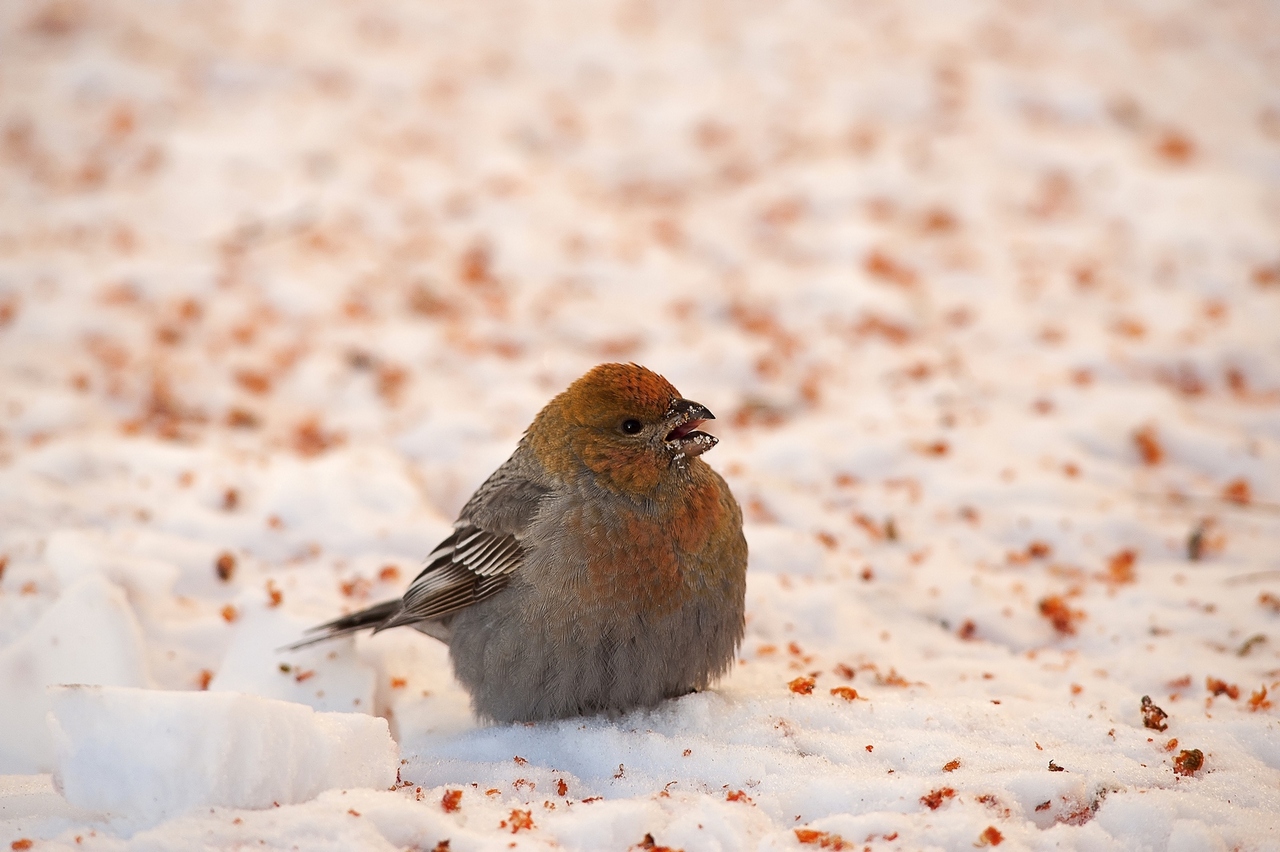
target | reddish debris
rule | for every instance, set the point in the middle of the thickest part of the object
(651, 845)
(934, 799)
(802, 685)
(991, 836)
(821, 839)
(309, 439)
(1149, 448)
(1152, 716)
(1120, 567)
(1188, 762)
(1221, 687)
(1060, 615)
(1238, 491)
(518, 821)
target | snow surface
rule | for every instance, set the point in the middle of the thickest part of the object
(985, 295)
(147, 754)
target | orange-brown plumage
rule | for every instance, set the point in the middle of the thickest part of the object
(578, 427)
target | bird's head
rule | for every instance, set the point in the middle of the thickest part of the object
(626, 424)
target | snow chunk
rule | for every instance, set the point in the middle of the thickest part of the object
(90, 635)
(150, 754)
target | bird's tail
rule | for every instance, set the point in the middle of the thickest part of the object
(374, 616)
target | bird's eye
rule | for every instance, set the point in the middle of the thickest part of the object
(632, 426)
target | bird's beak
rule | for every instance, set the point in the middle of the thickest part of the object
(684, 416)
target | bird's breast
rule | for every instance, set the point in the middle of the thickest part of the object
(624, 558)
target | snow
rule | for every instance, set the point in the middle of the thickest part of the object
(144, 755)
(984, 295)
(88, 634)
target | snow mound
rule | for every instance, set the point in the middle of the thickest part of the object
(90, 634)
(146, 755)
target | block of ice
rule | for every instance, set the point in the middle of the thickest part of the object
(149, 754)
(89, 635)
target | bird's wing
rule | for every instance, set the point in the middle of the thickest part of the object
(467, 567)
(477, 559)
(484, 550)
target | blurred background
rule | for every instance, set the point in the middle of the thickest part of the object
(789, 201)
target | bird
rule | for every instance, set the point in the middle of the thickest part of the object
(598, 570)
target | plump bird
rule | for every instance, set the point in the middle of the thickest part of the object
(601, 568)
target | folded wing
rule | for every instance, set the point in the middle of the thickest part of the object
(475, 561)
(465, 568)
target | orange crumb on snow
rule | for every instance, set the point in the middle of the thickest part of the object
(1188, 762)
(821, 839)
(310, 439)
(254, 382)
(648, 844)
(1153, 717)
(1149, 447)
(937, 449)
(518, 821)
(1120, 567)
(1221, 687)
(802, 685)
(1238, 491)
(882, 266)
(357, 587)
(1061, 616)
(225, 566)
(934, 798)
(990, 836)
(1175, 147)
